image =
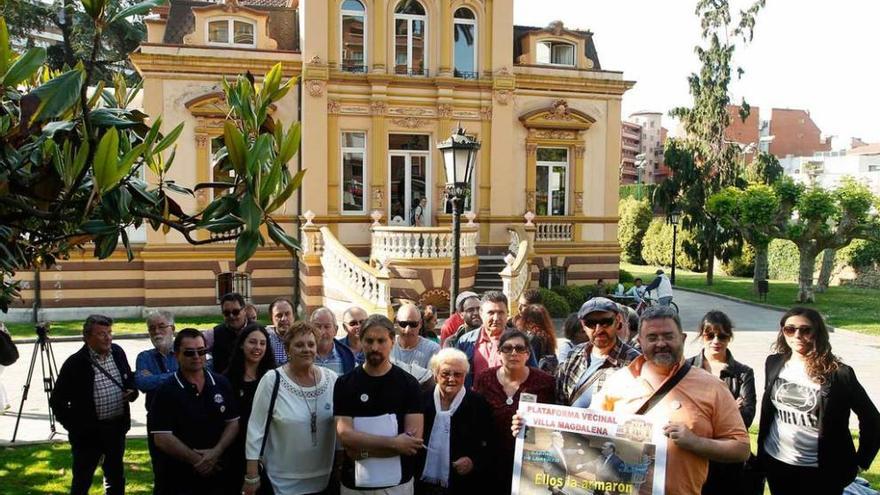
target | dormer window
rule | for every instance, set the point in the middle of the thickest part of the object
(555, 53)
(235, 32)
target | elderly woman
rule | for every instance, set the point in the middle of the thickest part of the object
(457, 430)
(297, 454)
(502, 387)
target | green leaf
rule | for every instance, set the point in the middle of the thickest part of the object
(246, 246)
(223, 224)
(281, 238)
(270, 183)
(127, 244)
(272, 79)
(259, 154)
(250, 213)
(139, 191)
(58, 94)
(111, 117)
(25, 66)
(178, 189)
(98, 228)
(291, 143)
(105, 160)
(105, 245)
(95, 8)
(293, 185)
(5, 49)
(235, 147)
(169, 139)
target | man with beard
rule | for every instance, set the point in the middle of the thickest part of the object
(468, 316)
(378, 418)
(588, 365)
(331, 353)
(226, 333)
(281, 313)
(701, 418)
(155, 366)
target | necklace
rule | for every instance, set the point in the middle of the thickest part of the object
(313, 413)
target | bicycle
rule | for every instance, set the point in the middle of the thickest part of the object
(647, 302)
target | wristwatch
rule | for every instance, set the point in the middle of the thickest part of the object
(364, 454)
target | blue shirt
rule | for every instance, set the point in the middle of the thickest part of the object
(152, 369)
(277, 346)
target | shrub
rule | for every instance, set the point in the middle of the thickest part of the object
(625, 277)
(860, 254)
(574, 295)
(635, 216)
(784, 260)
(657, 247)
(742, 265)
(556, 305)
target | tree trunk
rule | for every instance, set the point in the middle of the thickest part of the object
(762, 265)
(710, 262)
(805, 274)
(826, 270)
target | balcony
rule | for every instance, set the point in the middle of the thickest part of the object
(460, 74)
(403, 71)
(353, 66)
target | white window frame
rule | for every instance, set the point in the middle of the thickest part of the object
(230, 20)
(407, 201)
(557, 42)
(550, 165)
(472, 22)
(409, 18)
(354, 13)
(342, 151)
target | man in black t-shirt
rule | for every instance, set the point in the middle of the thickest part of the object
(378, 417)
(193, 420)
(226, 333)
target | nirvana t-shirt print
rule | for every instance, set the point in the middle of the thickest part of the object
(794, 433)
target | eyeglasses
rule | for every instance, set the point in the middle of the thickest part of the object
(193, 352)
(605, 322)
(710, 336)
(355, 323)
(407, 323)
(159, 327)
(790, 330)
(231, 312)
(458, 375)
(510, 349)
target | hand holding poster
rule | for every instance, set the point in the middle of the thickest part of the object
(568, 450)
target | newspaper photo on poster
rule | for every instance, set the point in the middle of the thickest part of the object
(568, 450)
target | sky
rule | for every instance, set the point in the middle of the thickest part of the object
(806, 54)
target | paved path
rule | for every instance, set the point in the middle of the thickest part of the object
(755, 333)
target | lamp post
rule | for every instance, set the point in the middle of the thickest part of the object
(672, 218)
(640, 168)
(459, 153)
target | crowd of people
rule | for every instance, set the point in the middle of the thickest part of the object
(398, 407)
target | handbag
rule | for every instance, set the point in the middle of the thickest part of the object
(265, 483)
(8, 350)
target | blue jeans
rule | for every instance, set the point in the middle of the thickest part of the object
(664, 301)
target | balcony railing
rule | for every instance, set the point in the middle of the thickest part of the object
(554, 232)
(346, 273)
(403, 71)
(355, 66)
(410, 243)
(461, 74)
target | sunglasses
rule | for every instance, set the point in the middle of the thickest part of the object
(790, 330)
(510, 349)
(194, 352)
(458, 375)
(408, 323)
(710, 336)
(355, 323)
(231, 312)
(605, 322)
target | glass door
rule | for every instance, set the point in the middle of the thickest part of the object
(408, 193)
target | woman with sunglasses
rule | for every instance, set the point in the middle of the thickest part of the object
(502, 387)
(298, 453)
(458, 425)
(535, 321)
(716, 332)
(251, 359)
(804, 441)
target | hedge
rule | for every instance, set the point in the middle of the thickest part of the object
(742, 265)
(556, 305)
(784, 260)
(860, 254)
(657, 247)
(635, 217)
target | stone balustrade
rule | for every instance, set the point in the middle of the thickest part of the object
(554, 232)
(411, 243)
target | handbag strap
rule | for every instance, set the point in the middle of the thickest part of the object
(270, 411)
(664, 389)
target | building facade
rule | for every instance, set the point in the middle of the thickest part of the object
(381, 83)
(630, 147)
(652, 145)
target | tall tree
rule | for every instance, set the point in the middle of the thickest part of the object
(71, 163)
(713, 161)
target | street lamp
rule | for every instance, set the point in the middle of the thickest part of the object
(672, 218)
(459, 153)
(640, 168)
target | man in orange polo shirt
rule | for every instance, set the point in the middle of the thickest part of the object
(703, 420)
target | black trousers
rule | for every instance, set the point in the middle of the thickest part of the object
(105, 444)
(785, 479)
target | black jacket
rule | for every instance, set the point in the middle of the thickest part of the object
(73, 400)
(740, 380)
(842, 393)
(470, 437)
(224, 347)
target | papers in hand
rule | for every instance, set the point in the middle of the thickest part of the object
(377, 471)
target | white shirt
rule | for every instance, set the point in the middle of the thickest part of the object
(793, 437)
(291, 460)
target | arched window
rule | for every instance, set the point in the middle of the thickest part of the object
(465, 43)
(232, 31)
(555, 53)
(354, 36)
(410, 38)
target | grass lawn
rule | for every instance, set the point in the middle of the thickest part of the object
(46, 469)
(120, 327)
(849, 308)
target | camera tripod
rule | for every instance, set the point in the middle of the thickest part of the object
(50, 371)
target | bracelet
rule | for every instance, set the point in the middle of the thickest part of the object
(251, 481)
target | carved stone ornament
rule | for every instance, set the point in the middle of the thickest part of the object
(378, 108)
(444, 111)
(554, 134)
(410, 122)
(316, 60)
(202, 140)
(579, 151)
(530, 203)
(579, 201)
(378, 198)
(504, 71)
(315, 88)
(333, 107)
(503, 96)
(486, 113)
(556, 27)
(531, 148)
(560, 111)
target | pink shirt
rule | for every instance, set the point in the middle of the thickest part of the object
(486, 355)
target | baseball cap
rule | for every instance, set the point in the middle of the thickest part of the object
(462, 296)
(598, 304)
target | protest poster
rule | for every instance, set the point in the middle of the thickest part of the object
(573, 451)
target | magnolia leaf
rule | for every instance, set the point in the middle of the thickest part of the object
(250, 213)
(25, 66)
(281, 238)
(246, 246)
(235, 147)
(58, 94)
(5, 49)
(169, 139)
(105, 160)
